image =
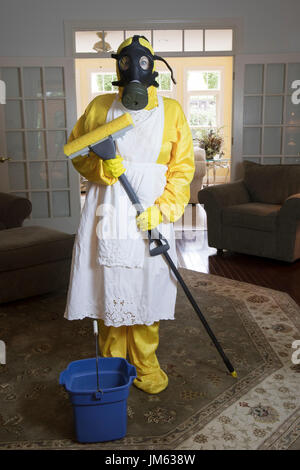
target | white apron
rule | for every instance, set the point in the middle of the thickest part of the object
(113, 277)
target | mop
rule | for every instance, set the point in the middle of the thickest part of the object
(101, 142)
(96, 334)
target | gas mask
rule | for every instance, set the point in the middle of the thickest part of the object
(135, 64)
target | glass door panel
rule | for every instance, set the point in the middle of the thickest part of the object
(11, 77)
(253, 79)
(34, 128)
(54, 82)
(253, 110)
(273, 110)
(271, 121)
(32, 82)
(272, 141)
(13, 115)
(36, 149)
(34, 114)
(15, 145)
(275, 78)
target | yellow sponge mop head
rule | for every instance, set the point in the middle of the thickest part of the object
(114, 128)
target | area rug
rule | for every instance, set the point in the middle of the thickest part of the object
(203, 406)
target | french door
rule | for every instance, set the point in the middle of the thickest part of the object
(266, 115)
(38, 115)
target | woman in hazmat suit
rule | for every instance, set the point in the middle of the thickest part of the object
(113, 277)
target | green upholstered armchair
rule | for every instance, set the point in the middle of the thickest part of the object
(259, 215)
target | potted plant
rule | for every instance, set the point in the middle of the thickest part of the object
(211, 141)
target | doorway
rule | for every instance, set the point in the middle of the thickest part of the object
(204, 90)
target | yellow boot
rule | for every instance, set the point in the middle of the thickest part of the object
(142, 342)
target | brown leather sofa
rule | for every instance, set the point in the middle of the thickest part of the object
(33, 260)
(259, 215)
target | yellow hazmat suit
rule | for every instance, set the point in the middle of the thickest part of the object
(139, 340)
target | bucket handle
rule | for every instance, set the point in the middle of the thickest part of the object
(98, 395)
(132, 372)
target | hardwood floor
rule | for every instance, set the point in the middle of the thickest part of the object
(194, 253)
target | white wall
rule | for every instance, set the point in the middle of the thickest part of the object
(35, 27)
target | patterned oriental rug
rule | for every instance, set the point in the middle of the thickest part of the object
(203, 406)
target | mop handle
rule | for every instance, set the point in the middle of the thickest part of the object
(200, 314)
(153, 235)
(161, 249)
(95, 327)
(135, 201)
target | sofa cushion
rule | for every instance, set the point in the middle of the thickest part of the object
(254, 215)
(28, 246)
(271, 184)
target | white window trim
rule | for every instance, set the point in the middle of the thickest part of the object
(218, 93)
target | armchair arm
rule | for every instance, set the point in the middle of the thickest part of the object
(224, 195)
(200, 169)
(215, 198)
(290, 209)
(13, 210)
(196, 184)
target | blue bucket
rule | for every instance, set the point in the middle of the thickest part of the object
(99, 416)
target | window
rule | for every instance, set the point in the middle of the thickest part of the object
(165, 84)
(203, 91)
(174, 41)
(101, 83)
(193, 40)
(167, 40)
(98, 41)
(147, 34)
(203, 111)
(218, 40)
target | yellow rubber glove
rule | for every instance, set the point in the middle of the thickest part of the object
(149, 219)
(114, 167)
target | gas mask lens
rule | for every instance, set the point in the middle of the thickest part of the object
(124, 63)
(144, 62)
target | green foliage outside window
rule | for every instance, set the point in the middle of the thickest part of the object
(203, 111)
(211, 79)
(104, 82)
(164, 80)
(203, 80)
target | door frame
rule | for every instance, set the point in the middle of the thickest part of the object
(235, 23)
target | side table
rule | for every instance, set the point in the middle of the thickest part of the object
(217, 163)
